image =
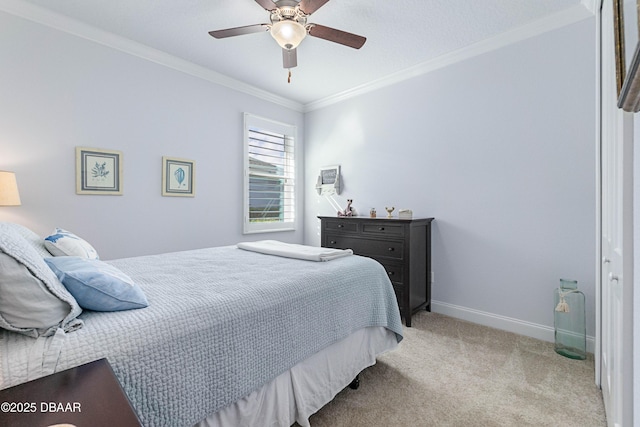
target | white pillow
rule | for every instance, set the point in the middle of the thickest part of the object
(32, 299)
(65, 243)
(25, 302)
(31, 237)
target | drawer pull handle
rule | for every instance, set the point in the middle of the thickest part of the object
(390, 273)
(391, 249)
(333, 242)
(380, 228)
(340, 225)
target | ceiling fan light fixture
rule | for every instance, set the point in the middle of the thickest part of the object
(288, 33)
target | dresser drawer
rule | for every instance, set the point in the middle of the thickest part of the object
(383, 229)
(367, 247)
(341, 225)
(395, 272)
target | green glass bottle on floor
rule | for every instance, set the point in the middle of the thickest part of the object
(569, 321)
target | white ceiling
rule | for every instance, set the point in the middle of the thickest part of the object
(400, 35)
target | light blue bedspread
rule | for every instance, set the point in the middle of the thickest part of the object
(220, 323)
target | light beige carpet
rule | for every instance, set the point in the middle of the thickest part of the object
(448, 372)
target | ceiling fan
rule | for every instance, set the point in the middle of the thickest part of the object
(289, 27)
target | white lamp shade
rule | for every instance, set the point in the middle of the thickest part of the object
(288, 33)
(9, 195)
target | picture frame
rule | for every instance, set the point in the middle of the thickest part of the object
(98, 171)
(178, 177)
(618, 38)
(627, 79)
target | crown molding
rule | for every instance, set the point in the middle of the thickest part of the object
(71, 26)
(558, 20)
(37, 14)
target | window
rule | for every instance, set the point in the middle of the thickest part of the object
(269, 178)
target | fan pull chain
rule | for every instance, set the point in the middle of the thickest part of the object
(289, 78)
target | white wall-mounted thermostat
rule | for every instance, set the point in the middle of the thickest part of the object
(329, 181)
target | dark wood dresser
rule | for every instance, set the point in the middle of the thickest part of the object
(402, 246)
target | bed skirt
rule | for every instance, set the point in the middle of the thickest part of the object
(298, 393)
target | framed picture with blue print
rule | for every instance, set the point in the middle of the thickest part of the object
(178, 177)
(98, 171)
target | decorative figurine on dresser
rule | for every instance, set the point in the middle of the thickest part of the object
(401, 245)
(348, 211)
(389, 210)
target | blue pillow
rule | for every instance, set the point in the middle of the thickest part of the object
(97, 285)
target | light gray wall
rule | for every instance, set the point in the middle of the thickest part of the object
(59, 91)
(500, 149)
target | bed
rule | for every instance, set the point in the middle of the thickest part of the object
(229, 336)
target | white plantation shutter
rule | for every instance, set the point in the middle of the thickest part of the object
(269, 175)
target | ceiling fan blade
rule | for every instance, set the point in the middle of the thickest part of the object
(337, 36)
(310, 6)
(289, 58)
(238, 31)
(267, 4)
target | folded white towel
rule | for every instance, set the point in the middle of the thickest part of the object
(292, 250)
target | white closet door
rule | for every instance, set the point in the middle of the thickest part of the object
(616, 239)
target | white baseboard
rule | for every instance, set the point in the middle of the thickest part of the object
(517, 326)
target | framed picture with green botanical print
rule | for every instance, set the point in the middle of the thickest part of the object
(178, 177)
(98, 171)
